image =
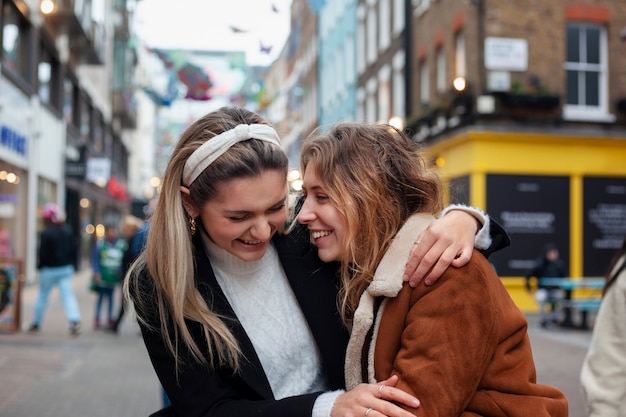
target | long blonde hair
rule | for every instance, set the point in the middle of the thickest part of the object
(169, 254)
(376, 178)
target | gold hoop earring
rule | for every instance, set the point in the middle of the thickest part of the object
(192, 225)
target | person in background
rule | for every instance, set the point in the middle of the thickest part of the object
(603, 374)
(548, 297)
(460, 346)
(135, 238)
(239, 318)
(106, 261)
(57, 258)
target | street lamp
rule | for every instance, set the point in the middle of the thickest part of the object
(47, 6)
(459, 84)
(397, 122)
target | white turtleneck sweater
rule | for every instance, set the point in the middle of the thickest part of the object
(263, 301)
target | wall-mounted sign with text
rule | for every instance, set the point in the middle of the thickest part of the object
(506, 54)
(604, 222)
(534, 210)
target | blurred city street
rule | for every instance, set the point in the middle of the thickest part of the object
(97, 374)
(51, 374)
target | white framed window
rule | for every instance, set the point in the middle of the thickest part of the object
(398, 85)
(441, 70)
(350, 67)
(372, 50)
(360, 40)
(459, 55)
(586, 73)
(398, 16)
(360, 103)
(424, 83)
(370, 111)
(420, 6)
(384, 24)
(384, 94)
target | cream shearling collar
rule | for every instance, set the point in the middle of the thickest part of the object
(387, 282)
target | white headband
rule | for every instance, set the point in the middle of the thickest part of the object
(213, 148)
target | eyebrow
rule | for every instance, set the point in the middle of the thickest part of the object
(313, 188)
(278, 203)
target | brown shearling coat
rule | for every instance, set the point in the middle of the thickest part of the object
(460, 346)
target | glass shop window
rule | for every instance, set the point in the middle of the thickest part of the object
(15, 41)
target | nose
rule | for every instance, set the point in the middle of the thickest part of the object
(306, 214)
(262, 229)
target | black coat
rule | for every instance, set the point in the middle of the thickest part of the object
(57, 246)
(203, 392)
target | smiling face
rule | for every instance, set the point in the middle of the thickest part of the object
(245, 214)
(326, 224)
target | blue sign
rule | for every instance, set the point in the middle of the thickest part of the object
(13, 140)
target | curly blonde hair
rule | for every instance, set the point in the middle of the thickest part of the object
(376, 178)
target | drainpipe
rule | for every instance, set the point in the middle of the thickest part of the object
(482, 76)
(408, 61)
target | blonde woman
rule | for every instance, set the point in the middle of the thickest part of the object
(239, 318)
(459, 346)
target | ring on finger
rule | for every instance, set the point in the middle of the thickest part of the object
(368, 411)
(380, 390)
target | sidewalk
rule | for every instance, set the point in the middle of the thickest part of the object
(559, 354)
(51, 374)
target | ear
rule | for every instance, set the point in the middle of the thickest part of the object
(190, 208)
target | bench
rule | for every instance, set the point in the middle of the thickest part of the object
(583, 295)
(586, 304)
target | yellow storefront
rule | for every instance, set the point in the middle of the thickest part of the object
(577, 180)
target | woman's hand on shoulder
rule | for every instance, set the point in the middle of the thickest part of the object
(374, 400)
(447, 241)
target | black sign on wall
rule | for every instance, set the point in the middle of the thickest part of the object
(75, 162)
(534, 210)
(604, 223)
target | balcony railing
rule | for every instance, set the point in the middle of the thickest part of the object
(86, 37)
(125, 109)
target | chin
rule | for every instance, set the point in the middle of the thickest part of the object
(327, 256)
(250, 256)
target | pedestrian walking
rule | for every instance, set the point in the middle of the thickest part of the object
(56, 264)
(106, 261)
(135, 231)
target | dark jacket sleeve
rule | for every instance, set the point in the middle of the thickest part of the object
(196, 390)
(499, 238)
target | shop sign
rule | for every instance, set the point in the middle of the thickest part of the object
(604, 223)
(506, 54)
(534, 210)
(98, 171)
(75, 169)
(13, 141)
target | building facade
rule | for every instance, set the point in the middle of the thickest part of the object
(62, 138)
(521, 107)
(337, 33)
(523, 111)
(381, 58)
